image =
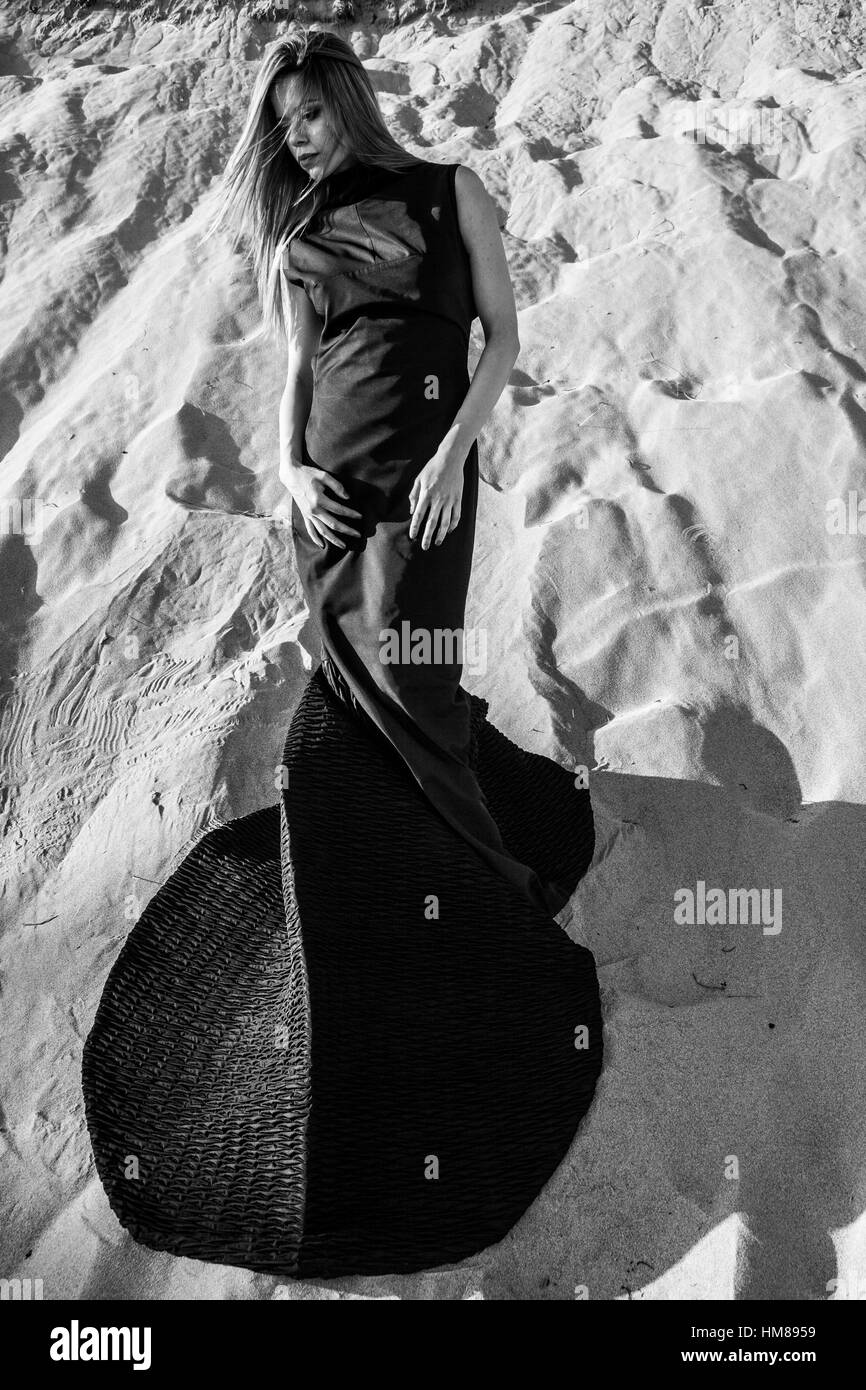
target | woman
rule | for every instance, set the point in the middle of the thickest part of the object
(378, 448)
(441, 1035)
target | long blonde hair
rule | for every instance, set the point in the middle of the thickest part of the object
(265, 195)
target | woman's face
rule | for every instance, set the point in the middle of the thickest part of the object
(307, 137)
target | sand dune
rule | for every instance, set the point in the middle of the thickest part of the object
(669, 569)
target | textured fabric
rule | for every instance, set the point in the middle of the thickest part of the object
(385, 267)
(336, 1042)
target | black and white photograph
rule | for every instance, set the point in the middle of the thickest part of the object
(432, 656)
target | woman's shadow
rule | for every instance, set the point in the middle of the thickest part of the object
(735, 1058)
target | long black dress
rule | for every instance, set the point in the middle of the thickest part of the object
(387, 271)
(346, 1035)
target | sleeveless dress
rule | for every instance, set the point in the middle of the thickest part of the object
(346, 1036)
(386, 269)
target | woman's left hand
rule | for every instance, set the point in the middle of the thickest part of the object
(435, 499)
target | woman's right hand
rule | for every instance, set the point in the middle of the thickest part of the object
(315, 492)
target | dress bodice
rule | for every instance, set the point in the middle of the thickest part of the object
(386, 243)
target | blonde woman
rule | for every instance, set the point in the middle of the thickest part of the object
(387, 1082)
(375, 262)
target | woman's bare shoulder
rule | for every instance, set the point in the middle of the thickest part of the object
(468, 183)
(477, 211)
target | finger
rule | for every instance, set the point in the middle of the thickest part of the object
(430, 528)
(329, 534)
(418, 516)
(310, 528)
(334, 485)
(455, 518)
(444, 525)
(336, 525)
(338, 509)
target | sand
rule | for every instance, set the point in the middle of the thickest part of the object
(669, 571)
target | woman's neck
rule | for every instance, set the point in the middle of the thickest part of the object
(350, 162)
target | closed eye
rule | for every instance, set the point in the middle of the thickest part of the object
(310, 114)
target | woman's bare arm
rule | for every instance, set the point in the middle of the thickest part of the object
(494, 300)
(304, 330)
(313, 490)
(436, 495)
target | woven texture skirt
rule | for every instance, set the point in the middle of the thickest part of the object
(336, 1042)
